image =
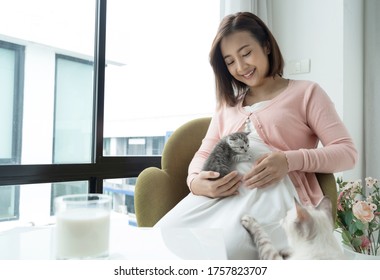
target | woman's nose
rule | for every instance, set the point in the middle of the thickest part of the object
(240, 66)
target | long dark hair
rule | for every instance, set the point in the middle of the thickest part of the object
(228, 89)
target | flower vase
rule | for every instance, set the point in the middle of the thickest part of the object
(352, 255)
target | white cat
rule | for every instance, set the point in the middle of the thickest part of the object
(310, 233)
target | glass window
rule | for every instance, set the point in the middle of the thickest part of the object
(9, 203)
(73, 110)
(157, 77)
(11, 80)
(57, 91)
(158, 74)
(123, 193)
(35, 202)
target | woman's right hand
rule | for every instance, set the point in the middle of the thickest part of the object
(223, 187)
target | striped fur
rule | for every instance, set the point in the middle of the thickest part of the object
(261, 239)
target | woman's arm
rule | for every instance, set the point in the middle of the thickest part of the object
(199, 181)
(338, 151)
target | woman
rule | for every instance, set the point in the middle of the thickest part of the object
(286, 119)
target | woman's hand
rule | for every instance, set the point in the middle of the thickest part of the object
(267, 170)
(226, 186)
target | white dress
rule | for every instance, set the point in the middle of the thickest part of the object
(268, 205)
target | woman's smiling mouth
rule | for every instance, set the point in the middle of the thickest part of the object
(249, 74)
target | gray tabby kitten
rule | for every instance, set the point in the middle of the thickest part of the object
(230, 150)
(310, 232)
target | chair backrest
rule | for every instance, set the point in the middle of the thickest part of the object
(180, 149)
(159, 189)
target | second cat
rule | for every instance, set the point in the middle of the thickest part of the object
(228, 152)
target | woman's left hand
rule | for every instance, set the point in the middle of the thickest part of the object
(268, 169)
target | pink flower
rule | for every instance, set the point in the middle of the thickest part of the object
(363, 211)
(340, 207)
(365, 242)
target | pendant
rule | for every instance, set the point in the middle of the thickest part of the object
(246, 126)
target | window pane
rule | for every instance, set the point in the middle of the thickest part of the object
(73, 111)
(7, 71)
(58, 39)
(34, 203)
(9, 203)
(158, 74)
(11, 95)
(123, 193)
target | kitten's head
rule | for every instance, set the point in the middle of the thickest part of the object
(305, 223)
(238, 142)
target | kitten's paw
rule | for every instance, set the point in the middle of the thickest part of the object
(247, 220)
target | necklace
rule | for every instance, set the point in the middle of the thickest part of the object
(246, 126)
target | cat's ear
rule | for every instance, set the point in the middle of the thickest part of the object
(302, 213)
(326, 206)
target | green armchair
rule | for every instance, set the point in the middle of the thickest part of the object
(159, 190)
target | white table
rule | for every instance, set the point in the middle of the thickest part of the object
(126, 242)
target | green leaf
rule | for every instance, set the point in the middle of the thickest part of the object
(359, 225)
(356, 242)
(352, 228)
(346, 236)
(348, 217)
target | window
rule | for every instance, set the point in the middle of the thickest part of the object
(73, 111)
(101, 94)
(9, 198)
(11, 88)
(158, 74)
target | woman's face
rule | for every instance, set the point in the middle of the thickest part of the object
(245, 59)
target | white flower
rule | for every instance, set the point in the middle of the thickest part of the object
(370, 182)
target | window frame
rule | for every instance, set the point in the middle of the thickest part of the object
(102, 167)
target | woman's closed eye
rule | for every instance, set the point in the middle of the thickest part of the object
(247, 54)
(230, 62)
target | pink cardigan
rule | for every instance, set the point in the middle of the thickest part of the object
(293, 122)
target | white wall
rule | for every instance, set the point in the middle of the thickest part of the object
(329, 33)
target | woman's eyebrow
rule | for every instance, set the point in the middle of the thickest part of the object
(242, 47)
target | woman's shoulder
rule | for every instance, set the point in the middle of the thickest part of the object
(304, 84)
(308, 92)
(306, 88)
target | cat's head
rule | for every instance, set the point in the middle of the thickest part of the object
(305, 223)
(238, 142)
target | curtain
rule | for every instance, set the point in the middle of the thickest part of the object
(261, 8)
(371, 88)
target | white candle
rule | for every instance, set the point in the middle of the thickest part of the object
(82, 233)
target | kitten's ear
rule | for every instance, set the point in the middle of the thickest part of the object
(302, 213)
(325, 205)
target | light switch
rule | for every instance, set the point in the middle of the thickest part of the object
(299, 66)
(305, 66)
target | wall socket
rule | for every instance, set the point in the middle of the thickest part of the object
(299, 66)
